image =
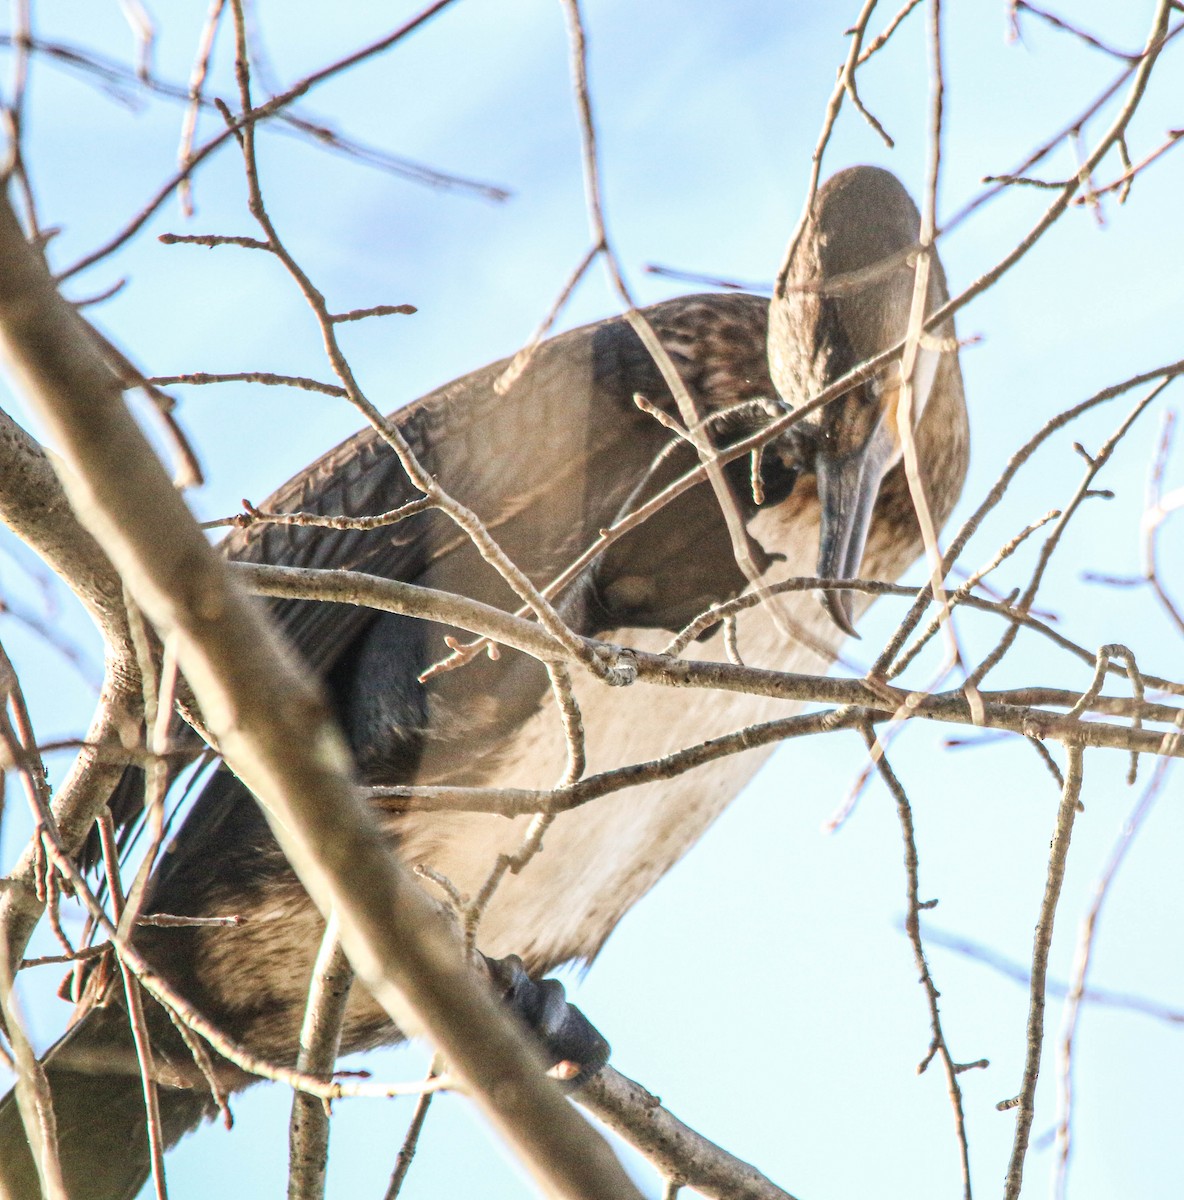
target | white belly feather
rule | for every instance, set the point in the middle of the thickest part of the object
(599, 859)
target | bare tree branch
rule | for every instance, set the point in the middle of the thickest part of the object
(288, 754)
(674, 1148)
(320, 1040)
(1025, 1102)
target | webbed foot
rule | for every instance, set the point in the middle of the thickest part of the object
(572, 1044)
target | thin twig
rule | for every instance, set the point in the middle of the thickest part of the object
(714, 281)
(407, 1150)
(674, 1148)
(197, 79)
(1094, 464)
(938, 1047)
(462, 516)
(320, 1042)
(909, 361)
(881, 39)
(242, 1058)
(685, 402)
(521, 360)
(257, 516)
(1122, 183)
(375, 310)
(33, 1096)
(1081, 35)
(1106, 654)
(135, 1012)
(1156, 511)
(1085, 945)
(1022, 974)
(268, 378)
(1025, 1102)
(210, 240)
(250, 117)
(962, 595)
(999, 488)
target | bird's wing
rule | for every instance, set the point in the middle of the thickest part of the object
(545, 465)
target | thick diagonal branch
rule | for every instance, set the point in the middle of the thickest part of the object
(274, 730)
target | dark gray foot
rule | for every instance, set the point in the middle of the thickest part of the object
(571, 1043)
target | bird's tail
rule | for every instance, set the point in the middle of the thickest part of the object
(101, 1130)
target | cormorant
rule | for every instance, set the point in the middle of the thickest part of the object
(547, 463)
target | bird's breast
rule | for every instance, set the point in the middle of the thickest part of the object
(599, 859)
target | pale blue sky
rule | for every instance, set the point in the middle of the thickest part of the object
(763, 989)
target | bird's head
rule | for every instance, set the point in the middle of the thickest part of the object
(842, 298)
